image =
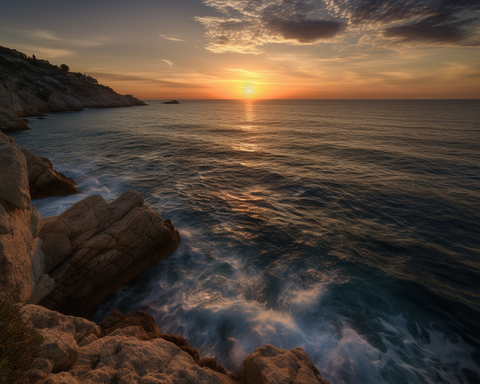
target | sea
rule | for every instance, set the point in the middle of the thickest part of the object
(349, 228)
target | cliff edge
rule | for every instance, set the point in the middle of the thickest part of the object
(30, 87)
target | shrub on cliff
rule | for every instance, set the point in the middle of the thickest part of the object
(65, 67)
(19, 343)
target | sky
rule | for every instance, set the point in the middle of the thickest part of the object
(257, 49)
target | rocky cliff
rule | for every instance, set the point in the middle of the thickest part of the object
(29, 87)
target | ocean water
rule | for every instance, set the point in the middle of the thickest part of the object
(348, 228)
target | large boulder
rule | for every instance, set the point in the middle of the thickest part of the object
(95, 247)
(21, 259)
(13, 174)
(44, 181)
(272, 365)
(74, 351)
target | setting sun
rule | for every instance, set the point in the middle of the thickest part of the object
(248, 89)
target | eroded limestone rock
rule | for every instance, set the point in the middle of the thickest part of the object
(272, 365)
(21, 259)
(95, 247)
(122, 356)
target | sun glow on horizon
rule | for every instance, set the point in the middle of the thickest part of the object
(249, 89)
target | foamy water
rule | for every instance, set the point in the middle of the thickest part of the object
(349, 228)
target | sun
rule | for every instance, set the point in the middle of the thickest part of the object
(248, 89)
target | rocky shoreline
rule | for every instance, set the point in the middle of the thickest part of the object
(31, 86)
(64, 266)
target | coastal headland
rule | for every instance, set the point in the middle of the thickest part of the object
(62, 267)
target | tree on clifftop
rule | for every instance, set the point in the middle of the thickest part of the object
(65, 67)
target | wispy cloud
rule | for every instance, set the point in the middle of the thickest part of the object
(343, 59)
(170, 38)
(45, 35)
(46, 52)
(166, 61)
(145, 80)
(243, 72)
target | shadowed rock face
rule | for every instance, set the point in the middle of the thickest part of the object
(94, 248)
(29, 87)
(43, 180)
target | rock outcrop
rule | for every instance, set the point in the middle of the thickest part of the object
(76, 350)
(94, 248)
(29, 87)
(43, 180)
(272, 365)
(131, 349)
(21, 259)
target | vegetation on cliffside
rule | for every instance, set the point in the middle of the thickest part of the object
(19, 343)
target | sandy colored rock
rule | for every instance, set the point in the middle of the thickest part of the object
(19, 245)
(272, 365)
(111, 244)
(62, 336)
(13, 174)
(21, 258)
(129, 360)
(43, 180)
(119, 357)
(142, 325)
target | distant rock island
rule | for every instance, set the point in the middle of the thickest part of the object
(31, 86)
(171, 102)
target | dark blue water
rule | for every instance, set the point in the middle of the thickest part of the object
(349, 228)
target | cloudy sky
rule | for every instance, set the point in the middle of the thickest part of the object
(191, 49)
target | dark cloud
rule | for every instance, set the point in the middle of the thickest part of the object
(423, 21)
(290, 19)
(388, 11)
(248, 25)
(435, 29)
(304, 31)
